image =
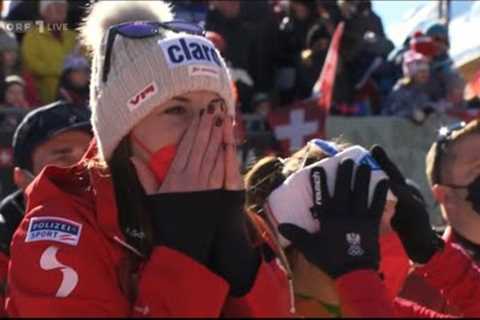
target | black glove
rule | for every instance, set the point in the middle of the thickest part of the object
(186, 221)
(234, 256)
(349, 229)
(411, 220)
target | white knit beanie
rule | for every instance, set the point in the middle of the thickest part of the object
(145, 73)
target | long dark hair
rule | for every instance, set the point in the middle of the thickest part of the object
(133, 214)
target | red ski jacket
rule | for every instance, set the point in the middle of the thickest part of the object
(451, 271)
(69, 258)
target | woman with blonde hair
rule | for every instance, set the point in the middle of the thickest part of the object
(344, 242)
(150, 222)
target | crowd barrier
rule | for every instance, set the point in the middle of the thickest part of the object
(406, 143)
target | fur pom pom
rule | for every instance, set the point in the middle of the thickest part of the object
(104, 14)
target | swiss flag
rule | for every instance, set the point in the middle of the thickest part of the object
(293, 126)
(6, 157)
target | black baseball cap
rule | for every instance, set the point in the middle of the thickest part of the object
(42, 124)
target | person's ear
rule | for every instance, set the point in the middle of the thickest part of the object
(22, 178)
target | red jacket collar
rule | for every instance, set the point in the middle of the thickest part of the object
(79, 185)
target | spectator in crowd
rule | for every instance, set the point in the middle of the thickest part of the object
(410, 97)
(441, 64)
(44, 49)
(9, 53)
(119, 206)
(75, 80)
(14, 93)
(193, 11)
(224, 18)
(262, 104)
(290, 41)
(455, 97)
(363, 49)
(311, 60)
(57, 134)
(328, 13)
(10, 64)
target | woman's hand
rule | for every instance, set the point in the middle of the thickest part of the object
(199, 163)
(233, 177)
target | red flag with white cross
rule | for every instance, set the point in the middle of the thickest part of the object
(323, 88)
(295, 125)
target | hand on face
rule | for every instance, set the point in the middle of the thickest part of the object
(205, 159)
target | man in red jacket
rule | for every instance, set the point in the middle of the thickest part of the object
(453, 171)
(56, 134)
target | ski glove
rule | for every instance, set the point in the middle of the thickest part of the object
(411, 220)
(348, 238)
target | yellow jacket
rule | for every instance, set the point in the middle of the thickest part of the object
(43, 56)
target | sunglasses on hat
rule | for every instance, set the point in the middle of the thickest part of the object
(142, 30)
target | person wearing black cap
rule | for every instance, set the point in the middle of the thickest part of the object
(57, 134)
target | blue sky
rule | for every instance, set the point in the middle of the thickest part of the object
(393, 12)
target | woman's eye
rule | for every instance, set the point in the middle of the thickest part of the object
(177, 110)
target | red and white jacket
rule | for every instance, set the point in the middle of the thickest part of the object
(67, 259)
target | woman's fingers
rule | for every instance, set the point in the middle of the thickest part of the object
(217, 176)
(202, 139)
(210, 157)
(233, 177)
(145, 176)
(185, 146)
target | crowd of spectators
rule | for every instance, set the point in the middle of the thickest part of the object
(275, 50)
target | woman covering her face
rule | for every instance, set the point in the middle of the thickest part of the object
(151, 221)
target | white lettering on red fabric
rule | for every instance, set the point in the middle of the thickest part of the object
(53, 229)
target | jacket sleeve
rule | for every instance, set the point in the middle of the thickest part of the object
(408, 309)
(461, 284)
(363, 294)
(269, 296)
(63, 274)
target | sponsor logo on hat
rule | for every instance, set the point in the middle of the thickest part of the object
(143, 96)
(185, 50)
(203, 71)
(54, 229)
